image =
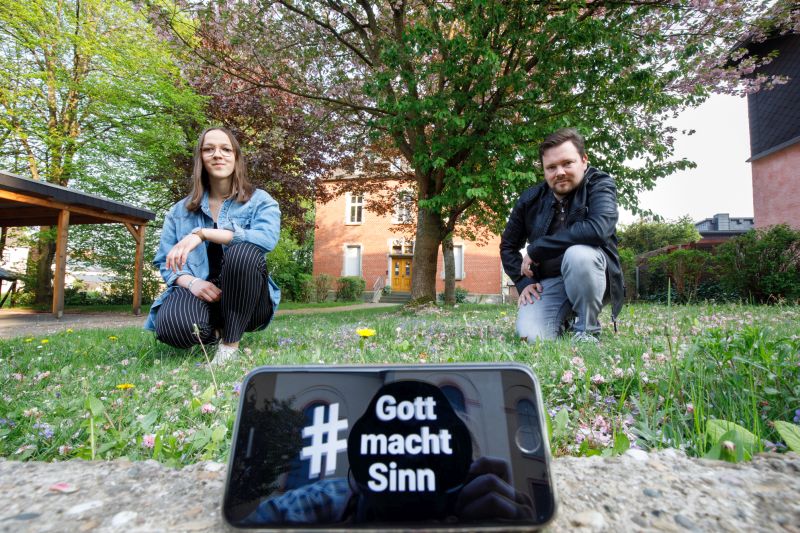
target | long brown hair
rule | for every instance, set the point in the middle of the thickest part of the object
(241, 188)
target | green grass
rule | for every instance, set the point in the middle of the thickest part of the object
(658, 382)
(286, 306)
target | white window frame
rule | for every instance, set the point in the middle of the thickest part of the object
(350, 203)
(403, 210)
(459, 264)
(360, 248)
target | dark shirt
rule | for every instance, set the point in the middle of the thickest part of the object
(550, 268)
(214, 252)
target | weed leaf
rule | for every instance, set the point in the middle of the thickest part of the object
(790, 433)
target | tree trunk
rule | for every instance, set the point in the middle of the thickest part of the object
(449, 270)
(40, 263)
(426, 253)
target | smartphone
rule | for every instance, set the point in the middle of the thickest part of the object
(390, 447)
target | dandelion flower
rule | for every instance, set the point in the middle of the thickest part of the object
(149, 440)
(70, 330)
(29, 339)
(125, 386)
(44, 341)
(365, 332)
(112, 337)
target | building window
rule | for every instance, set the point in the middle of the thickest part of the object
(352, 260)
(458, 257)
(355, 208)
(402, 247)
(403, 212)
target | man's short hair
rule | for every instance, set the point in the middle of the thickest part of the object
(559, 137)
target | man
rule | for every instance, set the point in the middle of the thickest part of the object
(571, 266)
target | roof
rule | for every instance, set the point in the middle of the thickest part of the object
(724, 224)
(27, 202)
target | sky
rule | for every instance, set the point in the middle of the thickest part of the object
(721, 182)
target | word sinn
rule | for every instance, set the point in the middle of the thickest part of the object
(390, 477)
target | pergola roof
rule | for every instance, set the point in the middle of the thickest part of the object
(27, 202)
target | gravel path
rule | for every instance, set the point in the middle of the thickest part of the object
(663, 491)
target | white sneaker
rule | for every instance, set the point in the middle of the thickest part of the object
(224, 354)
(582, 336)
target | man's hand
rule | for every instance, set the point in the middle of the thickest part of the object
(205, 290)
(177, 256)
(530, 292)
(527, 266)
(489, 494)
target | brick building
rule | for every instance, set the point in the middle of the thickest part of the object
(352, 240)
(774, 117)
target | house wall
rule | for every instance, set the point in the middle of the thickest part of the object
(482, 269)
(776, 188)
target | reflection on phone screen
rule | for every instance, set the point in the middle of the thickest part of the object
(401, 446)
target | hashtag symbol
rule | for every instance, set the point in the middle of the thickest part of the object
(325, 440)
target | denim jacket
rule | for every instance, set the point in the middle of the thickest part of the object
(257, 221)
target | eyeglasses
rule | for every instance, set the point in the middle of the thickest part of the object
(209, 151)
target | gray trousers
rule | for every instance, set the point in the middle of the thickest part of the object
(578, 292)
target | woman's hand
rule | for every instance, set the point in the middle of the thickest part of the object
(205, 290)
(179, 253)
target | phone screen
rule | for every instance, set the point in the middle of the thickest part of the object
(406, 446)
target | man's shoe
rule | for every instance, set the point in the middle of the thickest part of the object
(224, 354)
(582, 336)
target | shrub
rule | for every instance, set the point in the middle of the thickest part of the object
(627, 259)
(461, 295)
(305, 288)
(685, 268)
(322, 286)
(350, 288)
(762, 265)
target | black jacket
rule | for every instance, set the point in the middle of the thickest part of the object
(591, 220)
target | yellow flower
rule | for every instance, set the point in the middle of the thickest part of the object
(112, 337)
(44, 341)
(29, 339)
(70, 330)
(125, 386)
(365, 332)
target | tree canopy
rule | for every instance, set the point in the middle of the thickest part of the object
(465, 90)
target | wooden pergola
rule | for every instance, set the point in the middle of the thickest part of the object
(27, 202)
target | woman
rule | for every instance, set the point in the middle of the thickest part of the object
(211, 254)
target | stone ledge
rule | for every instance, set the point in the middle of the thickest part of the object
(662, 491)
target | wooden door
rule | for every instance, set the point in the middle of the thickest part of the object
(401, 274)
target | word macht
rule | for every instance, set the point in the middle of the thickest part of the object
(390, 477)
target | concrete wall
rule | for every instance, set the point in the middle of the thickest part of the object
(776, 188)
(375, 235)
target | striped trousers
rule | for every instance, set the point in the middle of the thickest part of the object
(245, 304)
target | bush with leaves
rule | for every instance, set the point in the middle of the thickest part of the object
(287, 268)
(322, 286)
(686, 268)
(350, 288)
(762, 265)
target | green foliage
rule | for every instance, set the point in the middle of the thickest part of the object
(322, 287)
(685, 267)
(645, 234)
(287, 268)
(460, 294)
(350, 288)
(627, 259)
(790, 433)
(762, 265)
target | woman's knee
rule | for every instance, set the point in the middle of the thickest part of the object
(244, 256)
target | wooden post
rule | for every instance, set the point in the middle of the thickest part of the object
(61, 263)
(137, 275)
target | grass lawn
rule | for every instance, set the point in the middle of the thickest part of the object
(658, 382)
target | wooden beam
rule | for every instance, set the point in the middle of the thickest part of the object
(61, 263)
(46, 202)
(137, 272)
